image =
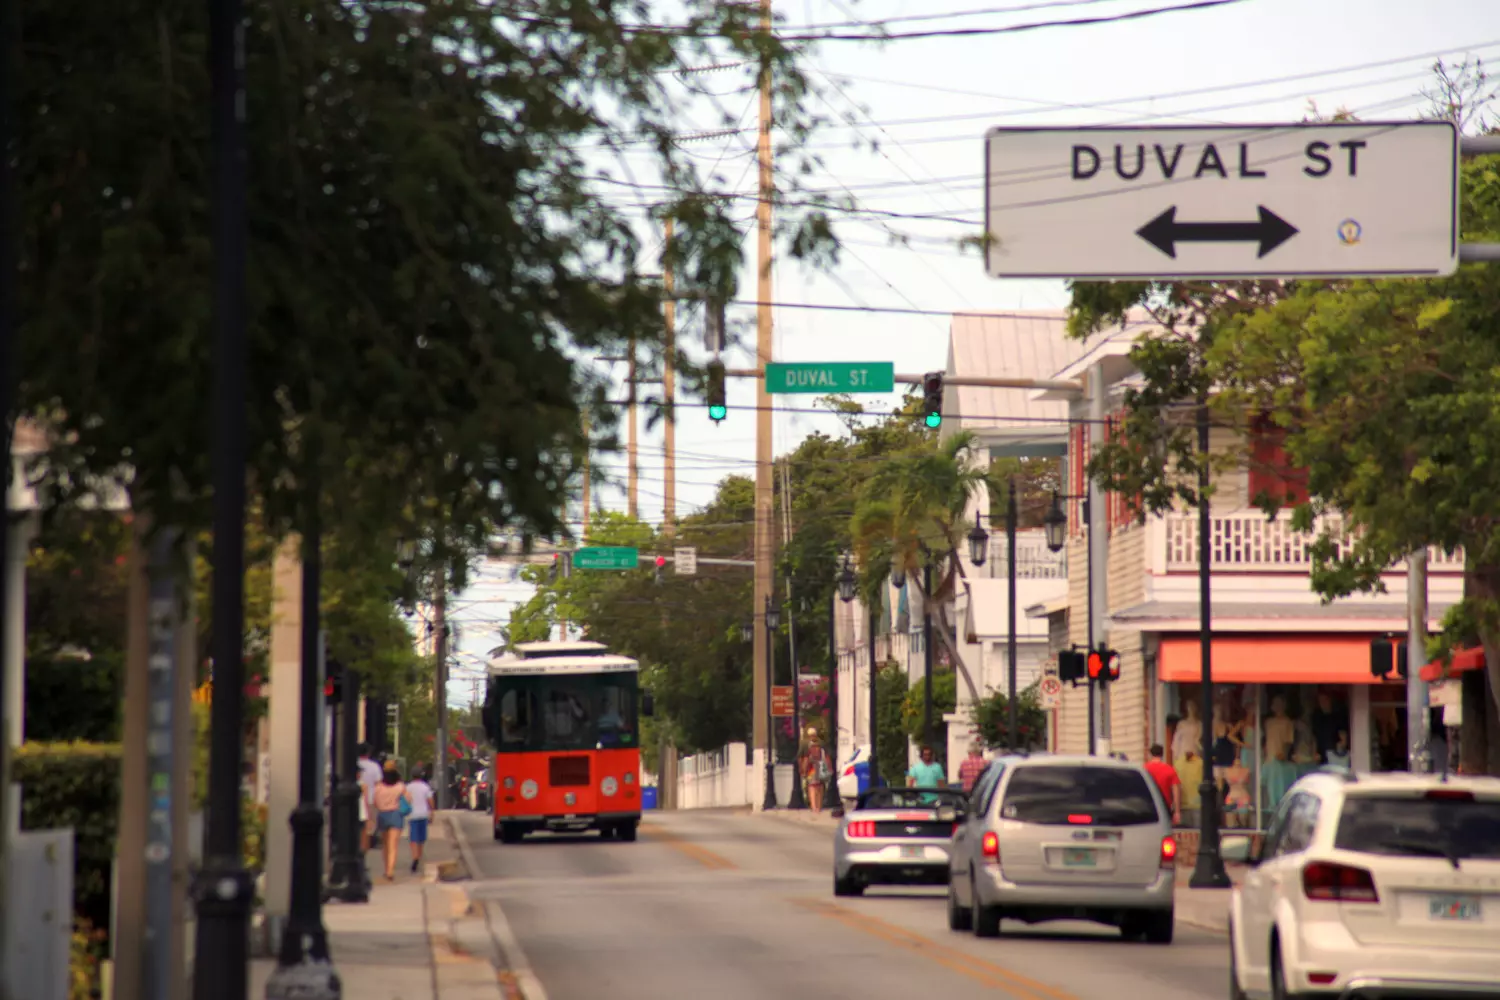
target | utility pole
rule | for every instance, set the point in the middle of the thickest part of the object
(588, 451)
(669, 392)
(763, 426)
(9, 240)
(632, 454)
(440, 751)
(1418, 716)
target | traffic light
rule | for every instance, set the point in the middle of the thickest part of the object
(1104, 664)
(717, 409)
(932, 398)
(333, 683)
(661, 562)
(1381, 658)
(1070, 666)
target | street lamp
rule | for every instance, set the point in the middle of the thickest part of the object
(979, 541)
(406, 554)
(773, 622)
(797, 800)
(1055, 523)
(844, 591)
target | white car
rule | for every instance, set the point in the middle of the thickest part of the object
(1371, 886)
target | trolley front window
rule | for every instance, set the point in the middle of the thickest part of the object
(562, 712)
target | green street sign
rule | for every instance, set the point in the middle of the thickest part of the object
(831, 376)
(606, 557)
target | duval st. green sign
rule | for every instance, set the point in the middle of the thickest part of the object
(606, 557)
(830, 376)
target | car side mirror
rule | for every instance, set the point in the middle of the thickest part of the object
(648, 704)
(1238, 849)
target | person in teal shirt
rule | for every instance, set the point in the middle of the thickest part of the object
(926, 773)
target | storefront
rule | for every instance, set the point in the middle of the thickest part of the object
(1284, 705)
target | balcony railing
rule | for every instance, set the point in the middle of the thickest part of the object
(1034, 561)
(1247, 542)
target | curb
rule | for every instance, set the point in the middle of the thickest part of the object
(516, 978)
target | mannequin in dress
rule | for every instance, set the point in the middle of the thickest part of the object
(1281, 731)
(1189, 736)
(1238, 800)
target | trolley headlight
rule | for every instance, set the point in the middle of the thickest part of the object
(510, 783)
(609, 786)
(528, 789)
(629, 778)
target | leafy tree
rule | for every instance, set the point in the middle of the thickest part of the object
(890, 741)
(1381, 390)
(991, 717)
(944, 700)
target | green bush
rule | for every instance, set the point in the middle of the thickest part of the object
(88, 947)
(76, 785)
(944, 700)
(890, 696)
(992, 718)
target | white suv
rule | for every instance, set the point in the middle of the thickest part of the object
(1371, 886)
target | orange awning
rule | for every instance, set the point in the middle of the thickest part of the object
(1274, 659)
(1464, 659)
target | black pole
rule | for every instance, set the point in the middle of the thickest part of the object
(798, 799)
(927, 654)
(1088, 556)
(831, 792)
(9, 237)
(769, 801)
(224, 891)
(1209, 871)
(303, 969)
(1012, 709)
(874, 709)
(348, 881)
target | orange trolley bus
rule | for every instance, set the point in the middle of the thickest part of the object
(564, 721)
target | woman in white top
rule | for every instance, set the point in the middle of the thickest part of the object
(419, 794)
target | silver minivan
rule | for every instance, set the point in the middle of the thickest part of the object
(1064, 838)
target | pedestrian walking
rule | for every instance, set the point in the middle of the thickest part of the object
(419, 794)
(1167, 779)
(390, 805)
(972, 767)
(369, 776)
(818, 771)
(926, 773)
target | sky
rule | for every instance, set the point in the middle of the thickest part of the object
(927, 104)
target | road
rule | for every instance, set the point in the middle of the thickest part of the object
(740, 907)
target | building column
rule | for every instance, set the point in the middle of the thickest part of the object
(285, 730)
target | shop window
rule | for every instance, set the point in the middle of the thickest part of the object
(1271, 472)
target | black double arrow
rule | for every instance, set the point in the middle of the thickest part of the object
(1164, 232)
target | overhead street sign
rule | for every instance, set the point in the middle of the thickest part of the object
(831, 376)
(1323, 200)
(606, 557)
(685, 561)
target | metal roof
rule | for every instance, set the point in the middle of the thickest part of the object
(548, 648)
(515, 666)
(1025, 344)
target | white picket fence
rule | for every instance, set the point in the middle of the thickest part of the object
(730, 777)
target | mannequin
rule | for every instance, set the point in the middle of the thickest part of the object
(1278, 773)
(1339, 755)
(1189, 736)
(1238, 800)
(1306, 749)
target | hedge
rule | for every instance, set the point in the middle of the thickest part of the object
(76, 785)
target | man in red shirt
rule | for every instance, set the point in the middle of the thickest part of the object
(1166, 779)
(972, 767)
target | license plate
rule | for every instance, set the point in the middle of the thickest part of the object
(1079, 857)
(913, 852)
(1464, 908)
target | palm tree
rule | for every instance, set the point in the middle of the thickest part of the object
(913, 509)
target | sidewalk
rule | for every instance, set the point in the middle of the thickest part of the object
(807, 816)
(416, 939)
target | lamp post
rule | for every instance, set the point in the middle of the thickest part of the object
(874, 708)
(348, 879)
(304, 968)
(796, 800)
(979, 541)
(1055, 524)
(773, 622)
(927, 653)
(1208, 872)
(844, 591)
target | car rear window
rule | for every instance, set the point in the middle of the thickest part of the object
(1065, 795)
(1407, 827)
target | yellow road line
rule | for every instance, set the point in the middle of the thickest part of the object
(702, 855)
(985, 972)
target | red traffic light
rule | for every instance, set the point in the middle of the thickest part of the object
(661, 561)
(1096, 665)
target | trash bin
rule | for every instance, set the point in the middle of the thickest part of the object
(648, 797)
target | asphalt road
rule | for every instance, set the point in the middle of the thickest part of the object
(740, 907)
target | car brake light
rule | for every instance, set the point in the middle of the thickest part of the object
(1451, 794)
(862, 828)
(1168, 852)
(1339, 883)
(1080, 819)
(991, 846)
(1322, 978)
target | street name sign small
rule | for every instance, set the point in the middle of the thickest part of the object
(606, 557)
(830, 376)
(1313, 200)
(685, 560)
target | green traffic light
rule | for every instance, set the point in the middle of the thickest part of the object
(934, 419)
(718, 412)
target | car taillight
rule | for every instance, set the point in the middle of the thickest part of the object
(1168, 852)
(1339, 883)
(990, 845)
(1450, 794)
(862, 828)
